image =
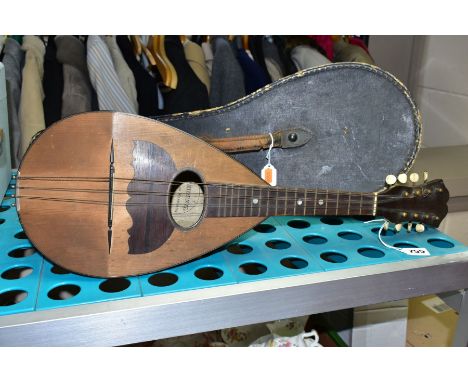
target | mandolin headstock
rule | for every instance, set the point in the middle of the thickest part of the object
(425, 203)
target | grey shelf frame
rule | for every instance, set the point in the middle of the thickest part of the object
(167, 315)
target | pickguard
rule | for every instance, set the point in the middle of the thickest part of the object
(149, 190)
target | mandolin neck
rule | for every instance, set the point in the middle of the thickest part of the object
(241, 200)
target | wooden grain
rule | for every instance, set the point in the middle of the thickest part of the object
(74, 235)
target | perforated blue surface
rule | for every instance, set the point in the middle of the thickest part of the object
(279, 247)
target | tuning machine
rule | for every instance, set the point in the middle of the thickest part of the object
(390, 180)
(402, 178)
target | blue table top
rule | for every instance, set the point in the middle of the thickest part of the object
(279, 247)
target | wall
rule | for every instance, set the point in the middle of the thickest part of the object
(435, 68)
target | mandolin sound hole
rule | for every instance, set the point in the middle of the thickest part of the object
(187, 200)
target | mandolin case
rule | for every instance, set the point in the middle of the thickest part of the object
(343, 126)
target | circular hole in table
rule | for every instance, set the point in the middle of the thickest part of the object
(2, 221)
(294, 263)
(298, 224)
(64, 292)
(278, 244)
(4, 208)
(12, 297)
(116, 285)
(370, 252)
(314, 239)
(16, 273)
(441, 243)
(333, 257)
(21, 252)
(58, 270)
(21, 235)
(163, 279)
(239, 249)
(209, 273)
(331, 220)
(252, 268)
(265, 228)
(349, 235)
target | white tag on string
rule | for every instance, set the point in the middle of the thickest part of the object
(415, 251)
(269, 173)
(406, 251)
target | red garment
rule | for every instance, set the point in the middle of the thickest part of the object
(357, 41)
(326, 43)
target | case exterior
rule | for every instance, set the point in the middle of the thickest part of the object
(362, 122)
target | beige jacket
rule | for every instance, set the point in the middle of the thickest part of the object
(124, 73)
(31, 112)
(196, 59)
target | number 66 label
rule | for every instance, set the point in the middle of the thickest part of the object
(415, 251)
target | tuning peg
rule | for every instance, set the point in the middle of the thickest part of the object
(398, 227)
(414, 177)
(385, 226)
(420, 228)
(390, 179)
(425, 176)
(402, 178)
(410, 225)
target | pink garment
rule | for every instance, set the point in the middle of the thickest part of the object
(357, 41)
(326, 43)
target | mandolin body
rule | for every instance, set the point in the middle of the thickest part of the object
(68, 220)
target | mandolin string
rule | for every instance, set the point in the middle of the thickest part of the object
(330, 193)
(318, 211)
(137, 180)
(364, 202)
(331, 205)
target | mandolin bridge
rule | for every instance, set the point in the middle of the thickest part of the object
(110, 204)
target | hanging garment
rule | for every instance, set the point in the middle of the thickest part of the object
(104, 79)
(256, 48)
(305, 56)
(13, 61)
(273, 69)
(52, 84)
(325, 43)
(272, 59)
(345, 52)
(31, 112)
(357, 41)
(146, 85)
(126, 77)
(196, 59)
(190, 94)
(287, 64)
(254, 75)
(208, 52)
(227, 79)
(77, 90)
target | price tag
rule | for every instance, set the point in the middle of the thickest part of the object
(415, 251)
(269, 174)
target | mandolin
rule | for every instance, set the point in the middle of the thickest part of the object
(110, 194)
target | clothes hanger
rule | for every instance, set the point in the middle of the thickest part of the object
(245, 42)
(137, 45)
(164, 65)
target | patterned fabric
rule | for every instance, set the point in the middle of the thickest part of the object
(127, 80)
(111, 95)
